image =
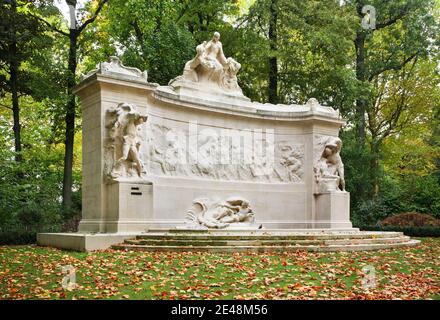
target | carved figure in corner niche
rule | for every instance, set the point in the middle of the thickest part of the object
(329, 170)
(126, 141)
(219, 214)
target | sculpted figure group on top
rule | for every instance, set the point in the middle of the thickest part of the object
(210, 66)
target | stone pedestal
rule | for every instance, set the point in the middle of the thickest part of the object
(129, 208)
(333, 210)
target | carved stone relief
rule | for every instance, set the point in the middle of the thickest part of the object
(114, 66)
(219, 214)
(168, 152)
(123, 140)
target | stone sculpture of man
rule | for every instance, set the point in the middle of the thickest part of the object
(127, 141)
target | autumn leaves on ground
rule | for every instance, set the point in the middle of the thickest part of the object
(30, 272)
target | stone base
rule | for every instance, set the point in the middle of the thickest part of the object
(269, 240)
(265, 240)
(332, 210)
(233, 226)
(129, 208)
(82, 241)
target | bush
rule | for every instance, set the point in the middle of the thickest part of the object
(427, 231)
(18, 237)
(416, 194)
(30, 199)
(71, 225)
(23, 234)
(422, 194)
(411, 219)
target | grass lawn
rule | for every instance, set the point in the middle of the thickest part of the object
(31, 272)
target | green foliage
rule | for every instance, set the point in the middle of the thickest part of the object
(19, 28)
(16, 237)
(357, 163)
(314, 47)
(419, 194)
(409, 231)
(30, 190)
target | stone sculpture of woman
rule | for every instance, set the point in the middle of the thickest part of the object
(212, 61)
(219, 214)
(211, 67)
(329, 171)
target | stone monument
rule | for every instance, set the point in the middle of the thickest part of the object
(199, 156)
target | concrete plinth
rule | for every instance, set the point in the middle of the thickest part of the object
(333, 210)
(129, 208)
(82, 241)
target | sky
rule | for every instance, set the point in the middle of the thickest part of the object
(61, 4)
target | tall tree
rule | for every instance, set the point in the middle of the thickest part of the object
(404, 106)
(294, 50)
(273, 44)
(412, 18)
(75, 30)
(20, 33)
(13, 69)
(401, 33)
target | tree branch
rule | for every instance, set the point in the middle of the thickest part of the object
(403, 12)
(394, 67)
(183, 12)
(5, 106)
(139, 34)
(47, 23)
(95, 15)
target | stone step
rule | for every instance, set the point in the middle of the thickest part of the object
(261, 242)
(264, 248)
(262, 236)
(265, 230)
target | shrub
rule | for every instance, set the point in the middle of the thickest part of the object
(427, 231)
(71, 225)
(18, 237)
(410, 219)
(23, 234)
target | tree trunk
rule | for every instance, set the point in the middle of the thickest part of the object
(273, 62)
(360, 76)
(374, 165)
(70, 121)
(361, 104)
(13, 69)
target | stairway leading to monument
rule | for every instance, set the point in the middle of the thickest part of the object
(265, 240)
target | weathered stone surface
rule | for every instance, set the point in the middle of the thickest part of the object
(149, 151)
(266, 241)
